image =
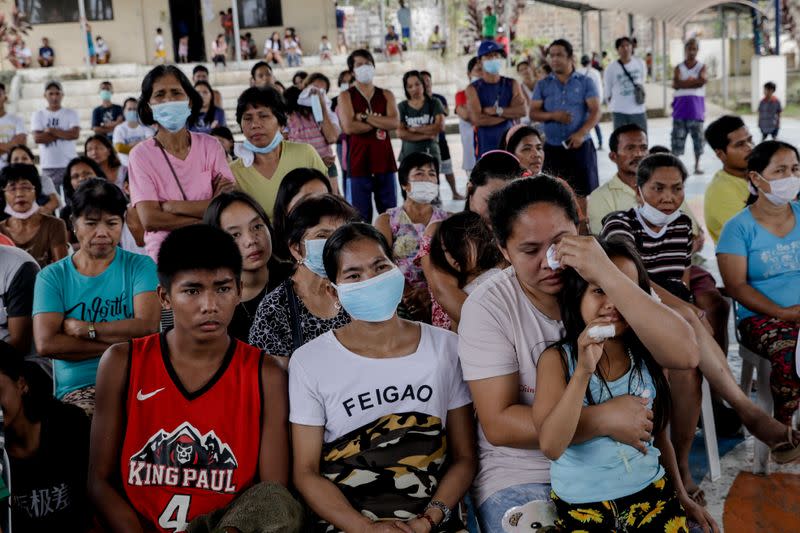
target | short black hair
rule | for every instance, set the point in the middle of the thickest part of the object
(302, 74)
(129, 99)
(314, 76)
(262, 97)
(291, 95)
(653, 162)
(412, 161)
(222, 131)
(22, 147)
(158, 72)
(565, 44)
(770, 85)
(310, 211)
(343, 236)
(199, 68)
(659, 149)
(619, 42)
(106, 82)
(717, 132)
(69, 191)
(97, 195)
(613, 141)
(523, 62)
(287, 191)
(181, 252)
(342, 74)
(359, 53)
(113, 158)
(257, 66)
(506, 204)
(471, 64)
(20, 172)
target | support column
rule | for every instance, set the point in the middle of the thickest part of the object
(653, 45)
(737, 57)
(777, 27)
(722, 16)
(665, 57)
(82, 16)
(583, 32)
(599, 32)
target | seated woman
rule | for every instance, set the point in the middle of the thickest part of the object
(99, 296)
(527, 145)
(78, 170)
(241, 216)
(265, 157)
(413, 422)
(610, 480)
(298, 184)
(210, 116)
(759, 265)
(100, 150)
(47, 443)
(464, 248)
(49, 200)
(303, 307)
(404, 227)
(43, 236)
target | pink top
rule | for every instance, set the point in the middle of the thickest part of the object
(151, 178)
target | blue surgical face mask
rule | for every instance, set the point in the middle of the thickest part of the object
(172, 115)
(313, 258)
(493, 66)
(373, 300)
(131, 116)
(276, 141)
(105, 94)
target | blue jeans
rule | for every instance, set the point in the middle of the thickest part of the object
(359, 192)
(623, 119)
(490, 513)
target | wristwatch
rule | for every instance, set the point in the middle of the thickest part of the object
(363, 117)
(92, 332)
(436, 504)
(498, 111)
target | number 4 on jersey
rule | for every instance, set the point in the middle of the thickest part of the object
(175, 513)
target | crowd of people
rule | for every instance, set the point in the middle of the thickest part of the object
(220, 338)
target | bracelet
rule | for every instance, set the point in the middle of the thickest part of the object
(429, 519)
(436, 504)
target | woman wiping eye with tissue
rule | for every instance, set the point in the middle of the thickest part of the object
(601, 478)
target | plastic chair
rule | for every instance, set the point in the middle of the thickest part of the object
(710, 432)
(752, 361)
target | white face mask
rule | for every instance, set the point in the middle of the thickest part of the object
(22, 216)
(343, 87)
(784, 190)
(473, 79)
(364, 73)
(423, 192)
(656, 217)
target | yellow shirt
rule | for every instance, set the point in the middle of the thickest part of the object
(616, 195)
(265, 190)
(725, 196)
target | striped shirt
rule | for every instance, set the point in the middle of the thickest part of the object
(304, 129)
(666, 253)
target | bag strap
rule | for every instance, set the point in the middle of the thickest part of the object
(294, 316)
(627, 73)
(174, 174)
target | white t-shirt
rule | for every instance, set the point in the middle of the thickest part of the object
(594, 74)
(10, 126)
(159, 42)
(333, 387)
(619, 89)
(58, 153)
(502, 333)
(124, 134)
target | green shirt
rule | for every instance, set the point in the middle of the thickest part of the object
(420, 117)
(490, 26)
(264, 190)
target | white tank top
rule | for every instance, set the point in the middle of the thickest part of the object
(686, 73)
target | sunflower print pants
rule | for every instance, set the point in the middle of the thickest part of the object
(655, 508)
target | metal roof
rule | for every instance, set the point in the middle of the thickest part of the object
(671, 11)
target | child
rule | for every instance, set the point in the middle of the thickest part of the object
(658, 230)
(161, 51)
(769, 113)
(183, 49)
(325, 50)
(601, 484)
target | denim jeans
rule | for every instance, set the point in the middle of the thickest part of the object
(490, 513)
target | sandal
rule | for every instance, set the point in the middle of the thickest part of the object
(787, 451)
(698, 497)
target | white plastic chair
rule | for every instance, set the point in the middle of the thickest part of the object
(752, 361)
(710, 432)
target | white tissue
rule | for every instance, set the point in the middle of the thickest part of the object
(600, 333)
(552, 262)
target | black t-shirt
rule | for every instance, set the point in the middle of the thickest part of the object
(245, 312)
(106, 114)
(49, 489)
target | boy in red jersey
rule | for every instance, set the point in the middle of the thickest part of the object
(188, 419)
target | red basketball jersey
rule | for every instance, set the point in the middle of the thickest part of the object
(185, 455)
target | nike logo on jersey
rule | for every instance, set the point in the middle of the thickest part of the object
(142, 397)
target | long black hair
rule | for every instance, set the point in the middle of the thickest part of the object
(113, 158)
(462, 235)
(287, 191)
(494, 165)
(208, 118)
(569, 301)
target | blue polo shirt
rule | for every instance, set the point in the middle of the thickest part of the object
(570, 97)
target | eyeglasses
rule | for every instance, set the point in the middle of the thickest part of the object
(12, 189)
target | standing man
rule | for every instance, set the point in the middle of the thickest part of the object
(624, 86)
(367, 115)
(340, 18)
(444, 148)
(489, 25)
(107, 115)
(689, 103)
(494, 101)
(588, 70)
(55, 130)
(568, 105)
(404, 19)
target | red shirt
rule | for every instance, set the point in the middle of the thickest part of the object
(461, 98)
(185, 455)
